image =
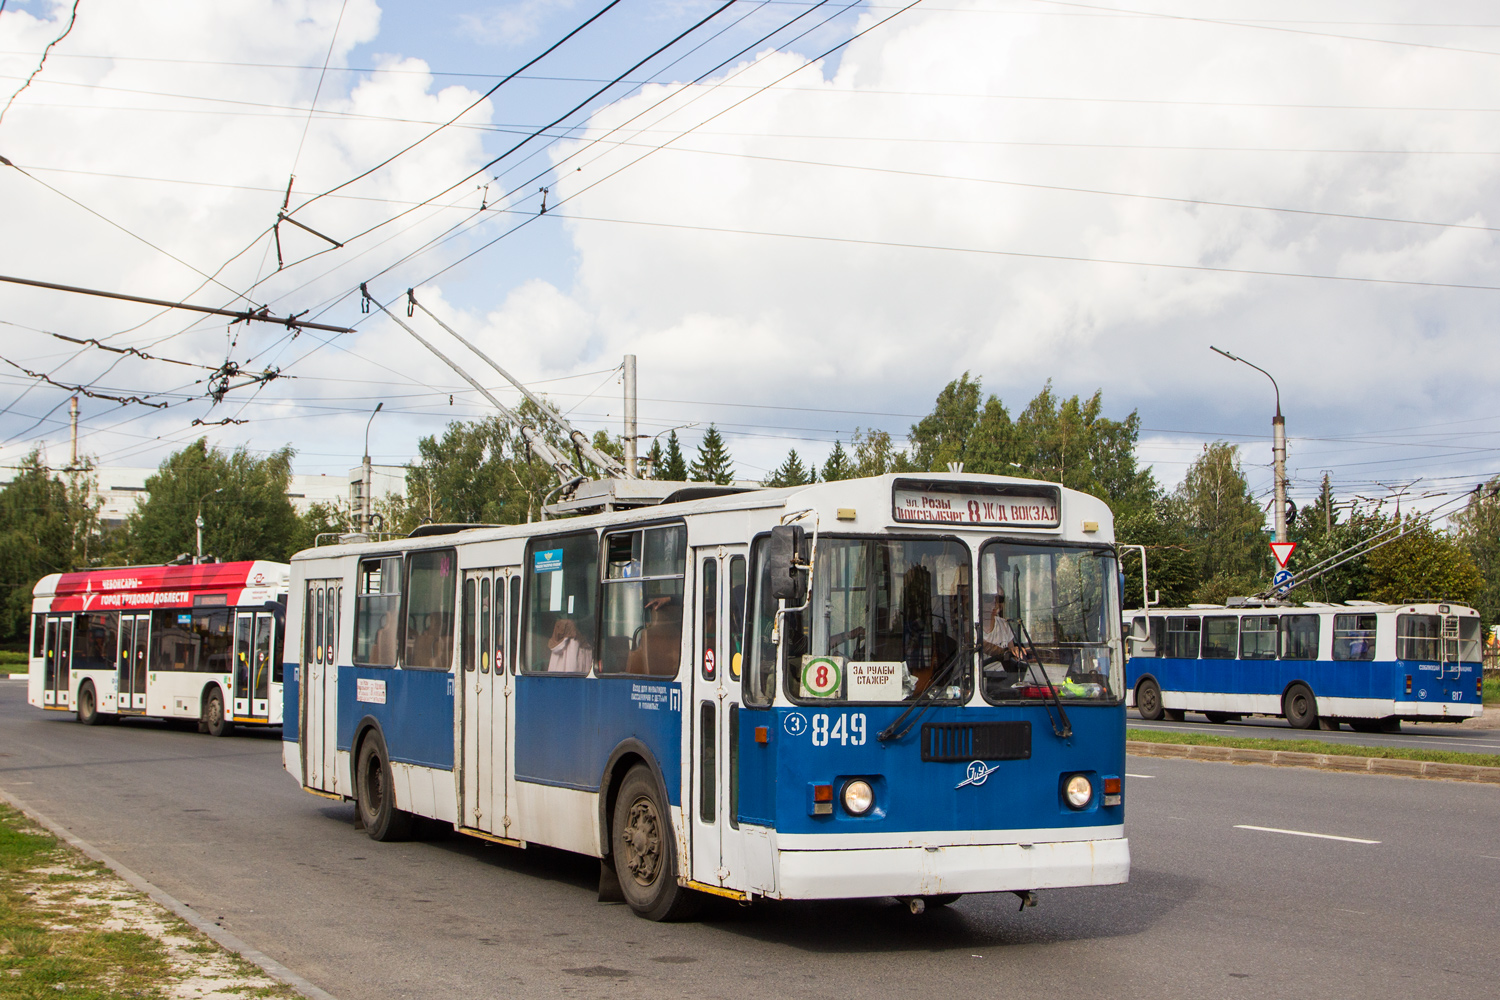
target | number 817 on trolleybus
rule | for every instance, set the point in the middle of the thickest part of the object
(895, 686)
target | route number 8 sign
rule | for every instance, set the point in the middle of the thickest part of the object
(821, 677)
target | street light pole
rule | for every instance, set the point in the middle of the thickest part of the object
(199, 558)
(1278, 445)
(367, 471)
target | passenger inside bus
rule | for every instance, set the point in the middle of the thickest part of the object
(567, 652)
(657, 649)
(999, 645)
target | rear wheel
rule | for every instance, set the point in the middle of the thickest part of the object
(215, 722)
(1217, 718)
(1390, 724)
(1300, 707)
(1148, 700)
(1175, 714)
(645, 861)
(88, 705)
(944, 899)
(373, 795)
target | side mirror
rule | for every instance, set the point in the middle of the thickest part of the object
(785, 556)
(1138, 630)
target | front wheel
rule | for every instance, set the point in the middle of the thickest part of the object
(215, 723)
(1218, 718)
(1300, 707)
(645, 861)
(88, 705)
(373, 795)
(944, 898)
(1148, 700)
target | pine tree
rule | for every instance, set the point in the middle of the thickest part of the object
(651, 463)
(790, 473)
(838, 465)
(674, 467)
(713, 464)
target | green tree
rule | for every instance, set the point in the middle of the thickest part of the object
(713, 464)
(246, 513)
(48, 524)
(791, 472)
(875, 454)
(1323, 530)
(1478, 528)
(941, 438)
(1225, 525)
(674, 466)
(1424, 565)
(651, 463)
(322, 518)
(837, 466)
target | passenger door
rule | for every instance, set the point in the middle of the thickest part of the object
(320, 685)
(718, 847)
(484, 705)
(135, 634)
(57, 682)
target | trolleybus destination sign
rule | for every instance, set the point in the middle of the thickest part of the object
(932, 503)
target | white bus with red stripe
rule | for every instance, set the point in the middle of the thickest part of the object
(166, 642)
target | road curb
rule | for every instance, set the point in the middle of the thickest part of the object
(1319, 761)
(225, 939)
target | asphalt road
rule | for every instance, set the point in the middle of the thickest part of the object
(1438, 736)
(1212, 910)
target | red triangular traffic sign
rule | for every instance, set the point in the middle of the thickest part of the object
(1282, 551)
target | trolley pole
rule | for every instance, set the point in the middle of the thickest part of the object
(367, 474)
(630, 416)
(1278, 445)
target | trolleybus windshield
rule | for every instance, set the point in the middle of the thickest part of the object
(1048, 623)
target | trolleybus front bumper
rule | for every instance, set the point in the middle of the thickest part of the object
(836, 871)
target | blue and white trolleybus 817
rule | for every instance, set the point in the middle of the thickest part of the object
(906, 686)
(1318, 665)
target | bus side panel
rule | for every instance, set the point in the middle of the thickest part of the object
(758, 765)
(291, 705)
(567, 727)
(414, 709)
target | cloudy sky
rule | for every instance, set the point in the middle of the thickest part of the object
(796, 238)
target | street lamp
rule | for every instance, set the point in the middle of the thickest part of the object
(199, 522)
(658, 434)
(368, 472)
(1278, 445)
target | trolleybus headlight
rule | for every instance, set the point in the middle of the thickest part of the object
(1078, 791)
(859, 797)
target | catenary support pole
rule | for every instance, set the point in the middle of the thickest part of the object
(631, 433)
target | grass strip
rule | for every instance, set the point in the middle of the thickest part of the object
(1492, 691)
(1315, 746)
(71, 927)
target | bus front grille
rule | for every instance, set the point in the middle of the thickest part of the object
(960, 741)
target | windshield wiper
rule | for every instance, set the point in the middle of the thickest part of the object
(1062, 728)
(896, 730)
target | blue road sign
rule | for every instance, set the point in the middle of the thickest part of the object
(1282, 579)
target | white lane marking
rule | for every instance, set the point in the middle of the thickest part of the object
(1129, 775)
(1304, 833)
(1489, 857)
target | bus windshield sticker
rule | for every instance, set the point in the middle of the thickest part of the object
(875, 680)
(953, 507)
(821, 677)
(370, 691)
(548, 560)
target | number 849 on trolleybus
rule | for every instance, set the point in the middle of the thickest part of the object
(894, 686)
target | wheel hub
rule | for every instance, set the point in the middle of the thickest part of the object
(642, 838)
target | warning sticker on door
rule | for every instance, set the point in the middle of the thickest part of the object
(370, 691)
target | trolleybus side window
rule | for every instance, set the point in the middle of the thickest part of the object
(176, 646)
(708, 598)
(470, 651)
(97, 635)
(1049, 621)
(1258, 637)
(211, 629)
(38, 635)
(1354, 637)
(760, 665)
(1220, 637)
(1470, 649)
(431, 606)
(377, 611)
(736, 616)
(564, 580)
(643, 601)
(1182, 637)
(1299, 637)
(513, 649)
(1418, 637)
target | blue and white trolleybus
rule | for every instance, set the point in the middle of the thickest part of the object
(907, 686)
